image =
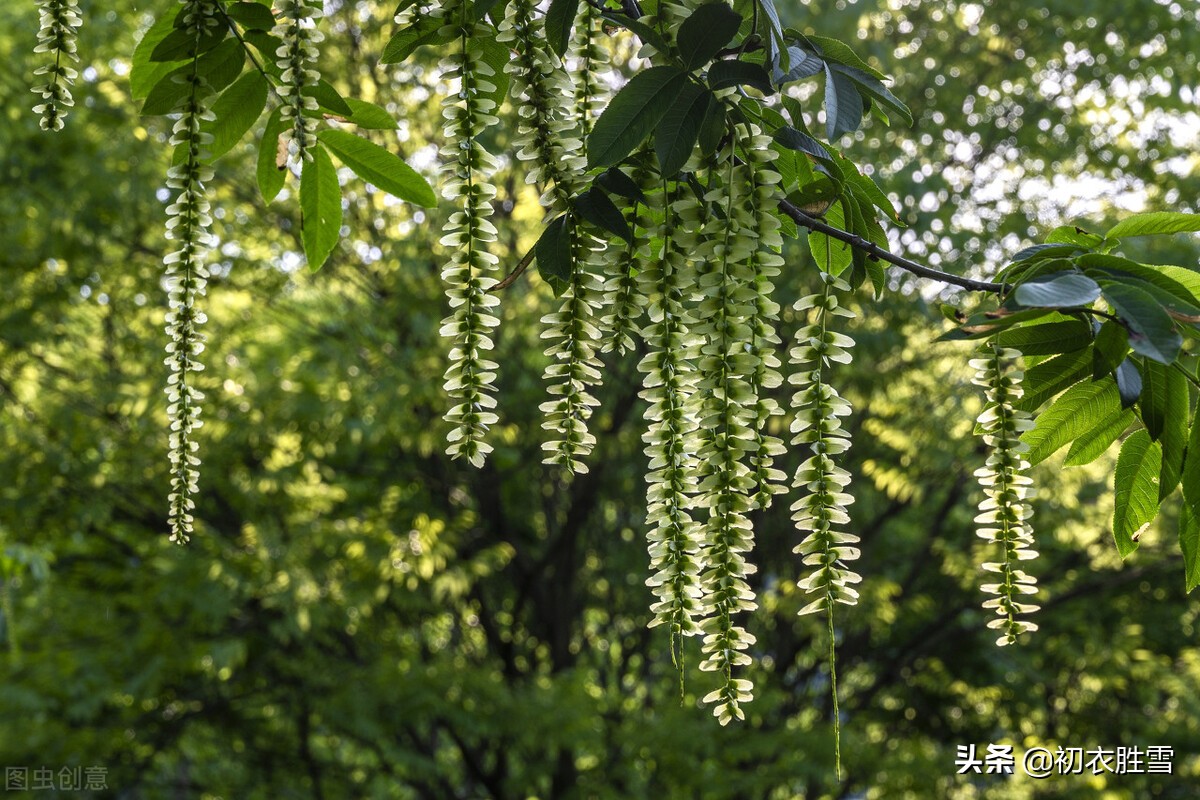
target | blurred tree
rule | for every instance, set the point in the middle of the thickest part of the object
(359, 616)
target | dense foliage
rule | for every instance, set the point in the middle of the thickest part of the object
(513, 573)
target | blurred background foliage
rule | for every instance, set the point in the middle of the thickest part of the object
(359, 617)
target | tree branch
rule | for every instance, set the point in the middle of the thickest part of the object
(873, 250)
(878, 253)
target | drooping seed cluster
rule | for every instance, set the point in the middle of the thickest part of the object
(467, 169)
(188, 221)
(702, 263)
(765, 262)
(669, 387)
(1004, 513)
(725, 276)
(621, 263)
(59, 26)
(822, 512)
(591, 59)
(297, 59)
(546, 137)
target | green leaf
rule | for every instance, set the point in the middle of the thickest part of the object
(1035, 267)
(702, 35)
(267, 46)
(370, 116)
(676, 135)
(269, 174)
(1071, 234)
(614, 181)
(831, 255)
(328, 98)
(553, 253)
(1095, 442)
(167, 93)
(252, 16)
(1111, 345)
(1058, 290)
(712, 128)
(1129, 382)
(320, 208)
(560, 20)
(1151, 331)
(181, 45)
(801, 64)
(872, 195)
(871, 86)
(843, 105)
(1191, 483)
(222, 65)
(988, 324)
(1189, 545)
(884, 98)
(484, 7)
(496, 55)
(1047, 338)
(771, 19)
(1075, 412)
(426, 30)
(857, 224)
(1155, 222)
(1032, 256)
(725, 74)
(1044, 251)
(236, 111)
(1045, 380)
(595, 207)
(640, 29)
(1164, 407)
(632, 114)
(1176, 288)
(840, 52)
(875, 271)
(1165, 396)
(1136, 489)
(376, 165)
(219, 67)
(798, 140)
(144, 74)
(1181, 282)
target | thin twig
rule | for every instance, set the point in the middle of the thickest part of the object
(511, 277)
(875, 251)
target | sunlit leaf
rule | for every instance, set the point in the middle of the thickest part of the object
(320, 207)
(1136, 490)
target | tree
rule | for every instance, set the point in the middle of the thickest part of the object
(567, 228)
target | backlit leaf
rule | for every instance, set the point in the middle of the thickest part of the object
(1058, 290)
(702, 35)
(1151, 331)
(380, 167)
(320, 208)
(1160, 222)
(553, 252)
(1135, 484)
(1075, 412)
(632, 114)
(676, 135)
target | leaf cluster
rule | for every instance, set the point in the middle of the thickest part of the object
(1108, 334)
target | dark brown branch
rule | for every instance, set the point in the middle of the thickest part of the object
(878, 253)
